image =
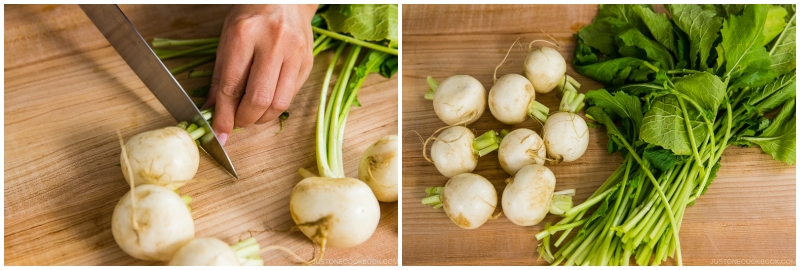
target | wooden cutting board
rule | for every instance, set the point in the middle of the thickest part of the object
(66, 93)
(746, 217)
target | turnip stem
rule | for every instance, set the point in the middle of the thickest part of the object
(187, 52)
(164, 42)
(200, 73)
(354, 41)
(486, 143)
(193, 64)
(322, 118)
(161, 52)
(434, 197)
(538, 110)
(197, 133)
(336, 127)
(432, 83)
(322, 46)
(429, 95)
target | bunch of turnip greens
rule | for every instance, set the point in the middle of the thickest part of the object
(679, 90)
(373, 27)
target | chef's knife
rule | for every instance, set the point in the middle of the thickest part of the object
(124, 37)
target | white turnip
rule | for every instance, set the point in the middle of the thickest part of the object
(456, 150)
(153, 227)
(529, 196)
(565, 134)
(544, 67)
(166, 157)
(512, 98)
(519, 148)
(458, 99)
(379, 168)
(468, 200)
(334, 212)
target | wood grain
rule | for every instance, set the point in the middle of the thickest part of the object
(67, 91)
(747, 214)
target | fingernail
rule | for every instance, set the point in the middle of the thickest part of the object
(223, 137)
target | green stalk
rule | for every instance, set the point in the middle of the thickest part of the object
(538, 110)
(161, 52)
(334, 139)
(354, 41)
(164, 42)
(323, 46)
(321, 139)
(485, 143)
(200, 73)
(434, 197)
(190, 65)
(188, 52)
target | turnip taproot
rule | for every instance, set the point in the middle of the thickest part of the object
(458, 99)
(379, 168)
(468, 200)
(456, 150)
(529, 196)
(519, 148)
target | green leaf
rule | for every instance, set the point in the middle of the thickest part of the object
(774, 24)
(787, 90)
(600, 35)
(389, 67)
(620, 105)
(782, 53)
(659, 25)
(701, 26)
(726, 10)
(662, 159)
(706, 89)
(614, 72)
(664, 125)
(655, 52)
(760, 94)
(365, 22)
(755, 79)
(779, 139)
(583, 54)
(742, 42)
(624, 13)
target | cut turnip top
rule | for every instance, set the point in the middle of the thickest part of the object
(468, 200)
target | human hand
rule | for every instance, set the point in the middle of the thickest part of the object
(263, 58)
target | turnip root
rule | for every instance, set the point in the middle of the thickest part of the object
(544, 67)
(166, 157)
(565, 134)
(334, 212)
(458, 100)
(456, 150)
(158, 225)
(528, 196)
(379, 168)
(519, 148)
(214, 252)
(468, 200)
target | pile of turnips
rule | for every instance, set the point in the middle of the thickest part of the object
(468, 199)
(152, 222)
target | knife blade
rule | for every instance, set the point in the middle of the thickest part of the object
(123, 36)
